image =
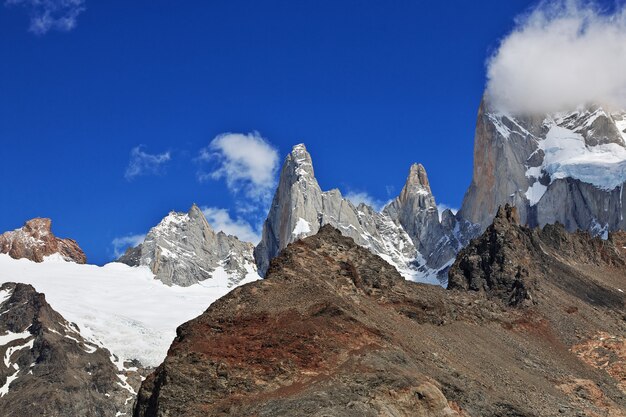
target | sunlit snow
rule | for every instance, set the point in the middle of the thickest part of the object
(120, 307)
(302, 227)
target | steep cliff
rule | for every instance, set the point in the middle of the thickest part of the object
(565, 167)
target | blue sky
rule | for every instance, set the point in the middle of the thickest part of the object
(369, 86)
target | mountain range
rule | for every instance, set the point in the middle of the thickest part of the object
(345, 321)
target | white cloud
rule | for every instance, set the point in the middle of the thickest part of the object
(220, 220)
(143, 163)
(443, 207)
(120, 244)
(561, 55)
(248, 163)
(46, 15)
(358, 197)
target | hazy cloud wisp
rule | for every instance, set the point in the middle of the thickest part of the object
(143, 163)
(561, 55)
(46, 15)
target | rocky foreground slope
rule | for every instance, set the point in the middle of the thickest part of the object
(48, 369)
(335, 330)
(35, 241)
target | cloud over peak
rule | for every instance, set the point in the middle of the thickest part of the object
(46, 15)
(561, 55)
(247, 162)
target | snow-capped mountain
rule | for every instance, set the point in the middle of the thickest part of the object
(50, 369)
(109, 324)
(183, 250)
(35, 240)
(565, 167)
(407, 233)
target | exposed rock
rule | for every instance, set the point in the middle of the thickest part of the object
(406, 233)
(416, 211)
(335, 330)
(35, 241)
(508, 260)
(183, 250)
(49, 369)
(566, 167)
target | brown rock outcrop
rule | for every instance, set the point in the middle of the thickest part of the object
(35, 240)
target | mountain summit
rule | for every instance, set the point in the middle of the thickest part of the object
(183, 250)
(407, 233)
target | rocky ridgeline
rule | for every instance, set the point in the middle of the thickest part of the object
(566, 167)
(407, 233)
(49, 369)
(183, 250)
(509, 260)
(35, 241)
(335, 330)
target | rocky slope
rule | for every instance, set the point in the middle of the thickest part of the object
(335, 330)
(183, 249)
(49, 369)
(407, 233)
(35, 240)
(566, 167)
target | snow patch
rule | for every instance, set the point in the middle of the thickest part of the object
(535, 192)
(302, 227)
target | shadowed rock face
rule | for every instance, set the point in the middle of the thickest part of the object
(335, 330)
(48, 368)
(35, 240)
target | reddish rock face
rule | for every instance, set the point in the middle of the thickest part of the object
(35, 240)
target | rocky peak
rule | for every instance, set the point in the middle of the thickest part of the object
(407, 232)
(299, 162)
(507, 215)
(183, 250)
(417, 184)
(35, 241)
(508, 261)
(49, 368)
(416, 211)
(300, 208)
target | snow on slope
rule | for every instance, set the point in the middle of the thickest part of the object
(567, 155)
(120, 307)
